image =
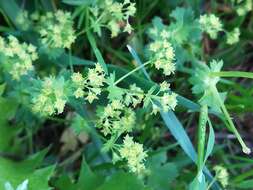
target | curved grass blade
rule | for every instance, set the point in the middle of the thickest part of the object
(138, 61)
(97, 52)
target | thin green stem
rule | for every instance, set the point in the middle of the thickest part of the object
(245, 149)
(70, 61)
(6, 18)
(232, 74)
(131, 72)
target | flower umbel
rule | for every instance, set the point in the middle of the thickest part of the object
(116, 119)
(50, 96)
(112, 15)
(134, 154)
(233, 36)
(17, 57)
(211, 24)
(222, 175)
(163, 56)
(56, 29)
(243, 7)
(91, 85)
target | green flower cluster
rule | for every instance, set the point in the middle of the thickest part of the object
(90, 85)
(56, 29)
(23, 20)
(17, 57)
(50, 96)
(243, 6)
(134, 154)
(211, 24)
(222, 175)
(112, 15)
(233, 36)
(163, 55)
(116, 119)
(168, 100)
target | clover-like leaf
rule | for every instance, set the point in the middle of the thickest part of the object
(203, 83)
(185, 27)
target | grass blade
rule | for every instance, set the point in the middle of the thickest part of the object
(97, 52)
(137, 59)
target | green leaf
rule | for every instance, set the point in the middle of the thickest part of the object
(122, 181)
(79, 124)
(185, 26)
(88, 179)
(2, 88)
(210, 142)
(161, 173)
(115, 93)
(11, 9)
(198, 183)
(7, 111)
(17, 172)
(47, 5)
(202, 136)
(65, 183)
(247, 184)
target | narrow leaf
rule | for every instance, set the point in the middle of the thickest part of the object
(97, 52)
